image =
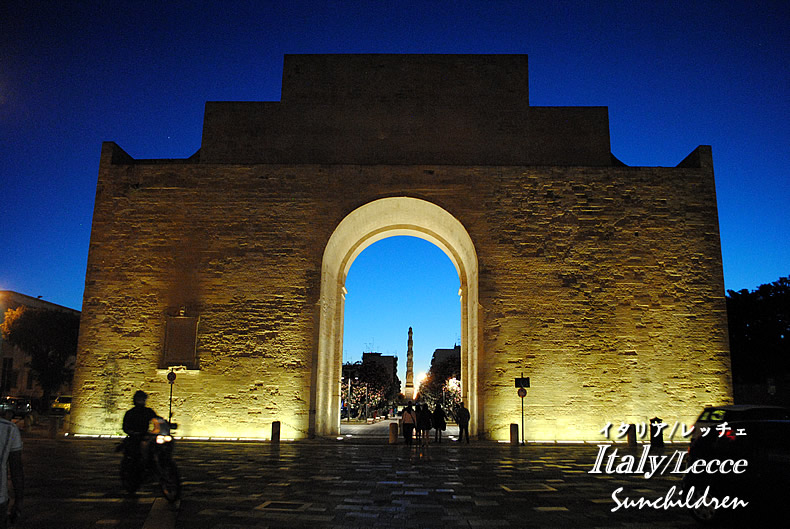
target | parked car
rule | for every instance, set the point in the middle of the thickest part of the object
(712, 416)
(61, 404)
(15, 407)
(762, 482)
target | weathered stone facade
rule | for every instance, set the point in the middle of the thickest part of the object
(601, 282)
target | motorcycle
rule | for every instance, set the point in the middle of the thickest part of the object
(151, 456)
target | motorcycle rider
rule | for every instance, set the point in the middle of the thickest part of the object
(136, 424)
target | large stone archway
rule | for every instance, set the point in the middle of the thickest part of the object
(602, 282)
(388, 217)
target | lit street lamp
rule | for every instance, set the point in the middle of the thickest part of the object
(348, 396)
(348, 399)
(366, 401)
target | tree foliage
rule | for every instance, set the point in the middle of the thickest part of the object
(371, 384)
(441, 386)
(759, 328)
(378, 379)
(49, 337)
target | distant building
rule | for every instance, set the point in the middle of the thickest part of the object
(388, 363)
(16, 377)
(351, 371)
(385, 362)
(442, 355)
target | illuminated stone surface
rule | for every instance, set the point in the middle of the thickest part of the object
(601, 282)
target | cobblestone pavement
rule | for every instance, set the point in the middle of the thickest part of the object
(74, 484)
(381, 429)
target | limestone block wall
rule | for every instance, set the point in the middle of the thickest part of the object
(603, 284)
(380, 109)
(605, 287)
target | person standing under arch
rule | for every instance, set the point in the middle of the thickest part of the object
(463, 416)
(439, 422)
(424, 424)
(409, 422)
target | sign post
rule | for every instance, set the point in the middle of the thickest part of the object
(171, 377)
(521, 384)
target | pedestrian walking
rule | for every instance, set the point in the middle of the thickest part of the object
(439, 423)
(409, 422)
(10, 459)
(424, 424)
(462, 416)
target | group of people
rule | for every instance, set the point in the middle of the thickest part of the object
(418, 421)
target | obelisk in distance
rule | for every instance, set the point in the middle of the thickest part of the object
(409, 390)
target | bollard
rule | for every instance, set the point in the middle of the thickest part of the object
(393, 433)
(513, 433)
(276, 432)
(632, 435)
(54, 426)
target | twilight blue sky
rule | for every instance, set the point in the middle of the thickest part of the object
(673, 74)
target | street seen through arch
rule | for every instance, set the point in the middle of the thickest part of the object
(396, 283)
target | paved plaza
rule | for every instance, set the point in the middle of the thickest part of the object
(351, 483)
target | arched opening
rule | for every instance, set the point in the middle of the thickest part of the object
(364, 226)
(396, 284)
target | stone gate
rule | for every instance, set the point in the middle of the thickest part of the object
(600, 281)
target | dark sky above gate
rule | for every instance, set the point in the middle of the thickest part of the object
(673, 74)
